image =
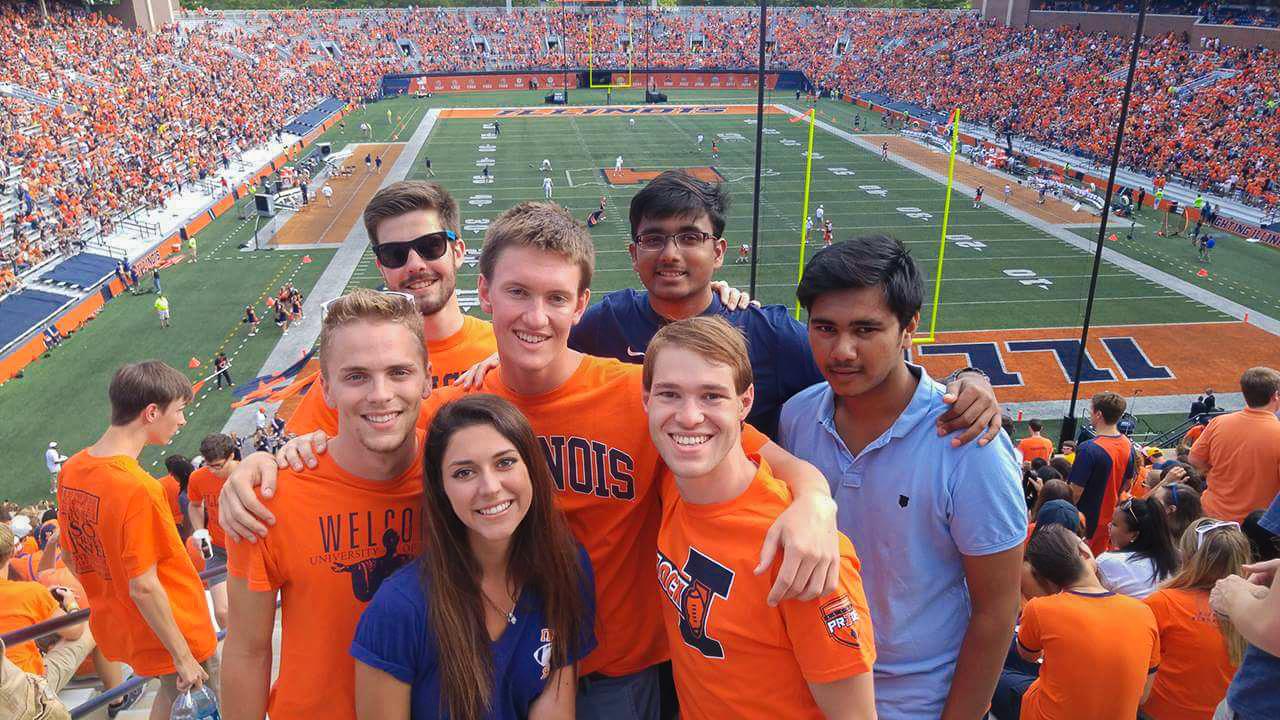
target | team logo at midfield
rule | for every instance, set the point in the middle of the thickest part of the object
(693, 589)
(841, 621)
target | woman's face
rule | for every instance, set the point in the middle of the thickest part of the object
(1121, 535)
(487, 483)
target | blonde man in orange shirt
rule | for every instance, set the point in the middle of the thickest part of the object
(1239, 453)
(1037, 445)
(148, 602)
(718, 504)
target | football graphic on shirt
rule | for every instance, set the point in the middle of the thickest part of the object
(695, 601)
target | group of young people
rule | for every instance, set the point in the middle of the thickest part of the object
(492, 552)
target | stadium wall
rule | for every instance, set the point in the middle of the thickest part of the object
(74, 317)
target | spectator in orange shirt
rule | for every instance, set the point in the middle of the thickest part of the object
(718, 505)
(203, 487)
(23, 604)
(1100, 650)
(1201, 651)
(1037, 445)
(148, 603)
(1239, 453)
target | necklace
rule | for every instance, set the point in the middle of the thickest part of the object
(511, 614)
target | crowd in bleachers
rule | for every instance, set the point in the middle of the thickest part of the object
(1213, 13)
(135, 116)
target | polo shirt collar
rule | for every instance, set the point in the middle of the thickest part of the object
(917, 410)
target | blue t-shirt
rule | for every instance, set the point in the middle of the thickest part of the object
(914, 507)
(1254, 693)
(394, 636)
(623, 322)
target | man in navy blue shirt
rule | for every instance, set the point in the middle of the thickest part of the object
(677, 243)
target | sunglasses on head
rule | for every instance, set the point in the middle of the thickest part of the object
(402, 296)
(431, 246)
(1203, 531)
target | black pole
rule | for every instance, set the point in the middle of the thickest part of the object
(1069, 422)
(755, 201)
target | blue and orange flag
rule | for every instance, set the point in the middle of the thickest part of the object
(264, 387)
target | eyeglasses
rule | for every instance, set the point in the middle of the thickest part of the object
(431, 246)
(1205, 529)
(685, 240)
(404, 296)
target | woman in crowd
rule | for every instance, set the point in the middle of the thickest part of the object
(1200, 652)
(1181, 505)
(1144, 554)
(1098, 648)
(491, 620)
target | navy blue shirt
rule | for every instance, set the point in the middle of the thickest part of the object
(1253, 694)
(394, 636)
(623, 322)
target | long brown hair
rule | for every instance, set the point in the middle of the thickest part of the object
(1223, 551)
(543, 557)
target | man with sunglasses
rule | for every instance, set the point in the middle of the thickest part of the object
(677, 244)
(203, 487)
(414, 229)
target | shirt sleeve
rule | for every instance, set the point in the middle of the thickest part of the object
(254, 563)
(392, 634)
(587, 588)
(1029, 630)
(832, 637)
(753, 440)
(43, 606)
(582, 336)
(1084, 468)
(988, 508)
(145, 544)
(1200, 448)
(1271, 520)
(313, 414)
(1155, 646)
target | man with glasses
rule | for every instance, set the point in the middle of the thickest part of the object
(413, 226)
(203, 487)
(677, 244)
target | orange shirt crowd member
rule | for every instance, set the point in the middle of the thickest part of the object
(1100, 650)
(148, 603)
(719, 503)
(23, 604)
(1036, 446)
(413, 228)
(204, 486)
(341, 528)
(450, 357)
(1240, 452)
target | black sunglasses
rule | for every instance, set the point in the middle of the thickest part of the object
(431, 246)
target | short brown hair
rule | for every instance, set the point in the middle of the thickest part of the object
(217, 446)
(6, 542)
(406, 196)
(1111, 405)
(137, 385)
(542, 226)
(363, 304)
(1259, 385)
(711, 337)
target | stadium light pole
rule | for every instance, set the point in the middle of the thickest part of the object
(1069, 422)
(755, 201)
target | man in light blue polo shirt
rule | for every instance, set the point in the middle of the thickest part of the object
(939, 529)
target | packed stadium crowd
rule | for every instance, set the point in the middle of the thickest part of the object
(1212, 13)
(120, 119)
(822, 512)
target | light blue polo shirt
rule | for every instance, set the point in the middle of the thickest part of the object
(913, 505)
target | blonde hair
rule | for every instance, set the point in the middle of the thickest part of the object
(365, 305)
(1223, 552)
(405, 196)
(710, 337)
(543, 226)
(7, 540)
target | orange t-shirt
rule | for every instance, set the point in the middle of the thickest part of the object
(1196, 670)
(1243, 451)
(336, 538)
(449, 358)
(23, 604)
(171, 489)
(595, 433)
(1036, 447)
(1098, 651)
(204, 487)
(1194, 434)
(117, 526)
(725, 639)
(24, 566)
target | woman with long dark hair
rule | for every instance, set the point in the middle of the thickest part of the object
(1144, 554)
(1181, 504)
(492, 618)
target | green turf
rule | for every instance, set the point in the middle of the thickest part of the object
(976, 292)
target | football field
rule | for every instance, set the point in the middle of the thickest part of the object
(1011, 297)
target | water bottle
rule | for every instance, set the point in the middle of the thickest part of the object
(196, 705)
